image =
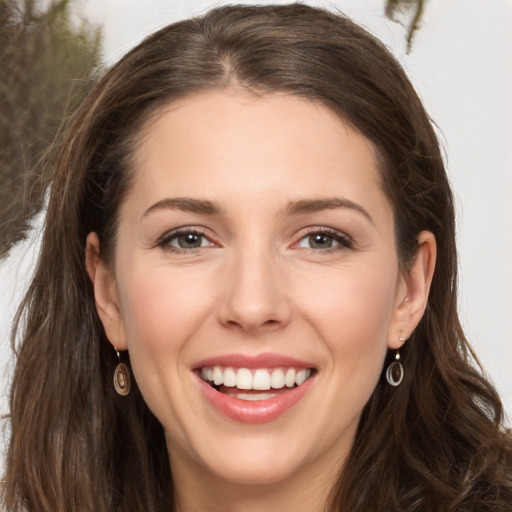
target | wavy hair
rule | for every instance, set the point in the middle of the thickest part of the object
(435, 443)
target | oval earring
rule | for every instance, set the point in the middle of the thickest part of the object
(395, 371)
(122, 377)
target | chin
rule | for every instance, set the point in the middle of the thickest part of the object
(261, 457)
(254, 472)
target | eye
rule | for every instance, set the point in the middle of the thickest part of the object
(317, 241)
(188, 241)
(184, 240)
(324, 240)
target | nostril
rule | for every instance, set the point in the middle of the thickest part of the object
(253, 325)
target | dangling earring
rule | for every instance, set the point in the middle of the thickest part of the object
(122, 377)
(395, 371)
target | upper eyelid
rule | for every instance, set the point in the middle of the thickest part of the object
(172, 233)
(300, 234)
(185, 229)
(324, 230)
(345, 241)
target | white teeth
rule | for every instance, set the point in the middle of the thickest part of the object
(277, 380)
(244, 379)
(289, 379)
(260, 379)
(301, 376)
(217, 376)
(253, 398)
(229, 378)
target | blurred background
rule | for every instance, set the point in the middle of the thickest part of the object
(456, 52)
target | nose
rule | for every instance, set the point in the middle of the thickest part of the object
(254, 294)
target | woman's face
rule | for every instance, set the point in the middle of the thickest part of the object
(255, 252)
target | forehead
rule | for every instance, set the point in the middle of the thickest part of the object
(228, 145)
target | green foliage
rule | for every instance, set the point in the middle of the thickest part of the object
(47, 62)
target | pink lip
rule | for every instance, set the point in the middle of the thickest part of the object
(267, 360)
(258, 411)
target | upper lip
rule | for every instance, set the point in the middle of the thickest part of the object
(266, 360)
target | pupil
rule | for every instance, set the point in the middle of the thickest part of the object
(320, 241)
(189, 241)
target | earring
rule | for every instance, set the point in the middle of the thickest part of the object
(395, 371)
(122, 377)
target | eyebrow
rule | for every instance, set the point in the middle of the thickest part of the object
(186, 204)
(302, 206)
(315, 205)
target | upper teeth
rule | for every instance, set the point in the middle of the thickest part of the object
(259, 379)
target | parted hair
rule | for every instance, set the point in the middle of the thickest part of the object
(435, 443)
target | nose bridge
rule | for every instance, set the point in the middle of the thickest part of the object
(254, 295)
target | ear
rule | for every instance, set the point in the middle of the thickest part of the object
(413, 290)
(105, 293)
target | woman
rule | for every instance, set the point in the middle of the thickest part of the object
(246, 295)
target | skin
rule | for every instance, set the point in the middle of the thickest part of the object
(257, 284)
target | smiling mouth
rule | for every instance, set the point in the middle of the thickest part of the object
(255, 383)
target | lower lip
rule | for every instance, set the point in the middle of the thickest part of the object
(257, 411)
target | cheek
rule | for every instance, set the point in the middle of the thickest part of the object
(158, 304)
(161, 309)
(352, 311)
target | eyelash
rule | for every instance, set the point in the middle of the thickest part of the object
(344, 242)
(164, 242)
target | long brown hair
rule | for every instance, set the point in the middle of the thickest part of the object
(434, 443)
